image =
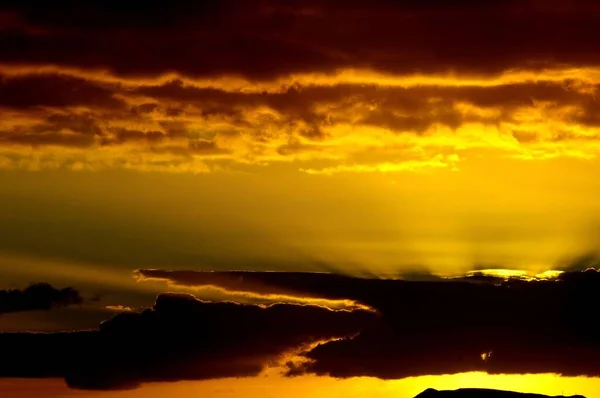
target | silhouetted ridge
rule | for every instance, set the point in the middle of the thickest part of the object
(484, 393)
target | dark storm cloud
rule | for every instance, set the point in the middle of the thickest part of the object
(445, 326)
(262, 39)
(179, 338)
(39, 296)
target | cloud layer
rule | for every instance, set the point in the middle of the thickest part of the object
(480, 322)
(264, 39)
(361, 86)
(179, 338)
(450, 326)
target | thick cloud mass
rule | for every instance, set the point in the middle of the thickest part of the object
(39, 296)
(364, 86)
(473, 324)
(179, 338)
(263, 39)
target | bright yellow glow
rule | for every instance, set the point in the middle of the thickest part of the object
(516, 274)
(492, 213)
(319, 387)
(551, 274)
(439, 161)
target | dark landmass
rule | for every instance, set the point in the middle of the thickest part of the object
(483, 393)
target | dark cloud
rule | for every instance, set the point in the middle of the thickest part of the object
(50, 138)
(399, 109)
(148, 107)
(60, 129)
(175, 128)
(262, 39)
(39, 296)
(123, 135)
(62, 110)
(55, 90)
(100, 15)
(179, 338)
(445, 61)
(85, 124)
(544, 326)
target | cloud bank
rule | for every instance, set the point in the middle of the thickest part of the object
(359, 86)
(179, 338)
(477, 323)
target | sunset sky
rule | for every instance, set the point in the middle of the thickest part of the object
(407, 171)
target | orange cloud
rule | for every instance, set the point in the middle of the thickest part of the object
(349, 121)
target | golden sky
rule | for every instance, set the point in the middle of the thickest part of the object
(368, 140)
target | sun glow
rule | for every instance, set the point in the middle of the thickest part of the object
(507, 274)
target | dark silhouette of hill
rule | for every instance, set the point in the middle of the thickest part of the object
(483, 393)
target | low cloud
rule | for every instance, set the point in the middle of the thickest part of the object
(39, 296)
(179, 338)
(441, 327)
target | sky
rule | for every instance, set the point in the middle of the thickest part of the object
(379, 195)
